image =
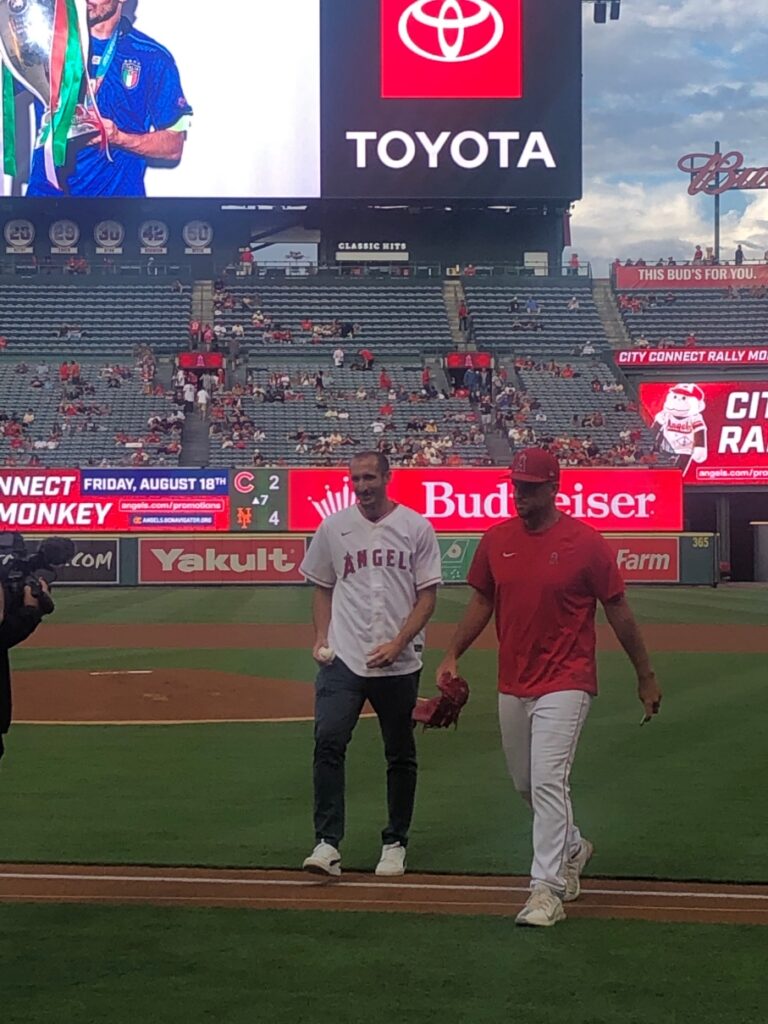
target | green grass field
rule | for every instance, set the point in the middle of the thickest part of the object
(682, 798)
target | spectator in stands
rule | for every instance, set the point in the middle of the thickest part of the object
(691, 341)
(338, 357)
(3, 343)
(246, 262)
(532, 306)
(367, 358)
(573, 265)
(463, 313)
(385, 381)
(698, 255)
(190, 392)
(573, 304)
(738, 256)
(588, 349)
(514, 305)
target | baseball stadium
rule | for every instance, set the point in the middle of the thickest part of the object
(334, 472)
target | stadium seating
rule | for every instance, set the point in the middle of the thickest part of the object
(564, 332)
(714, 318)
(280, 421)
(390, 318)
(112, 318)
(127, 412)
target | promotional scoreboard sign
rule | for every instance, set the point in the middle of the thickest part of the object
(297, 500)
(719, 430)
(696, 276)
(754, 355)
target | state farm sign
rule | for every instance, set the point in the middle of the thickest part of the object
(221, 560)
(647, 559)
(472, 500)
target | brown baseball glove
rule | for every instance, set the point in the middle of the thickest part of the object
(441, 711)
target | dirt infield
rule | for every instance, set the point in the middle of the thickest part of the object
(714, 639)
(166, 695)
(435, 894)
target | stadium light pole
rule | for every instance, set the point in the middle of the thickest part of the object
(601, 10)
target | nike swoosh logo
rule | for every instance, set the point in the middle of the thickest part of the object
(345, 533)
(509, 554)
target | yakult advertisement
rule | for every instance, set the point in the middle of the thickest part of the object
(719, 431)
(472, 500)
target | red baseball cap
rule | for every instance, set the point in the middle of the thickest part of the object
(535, 466)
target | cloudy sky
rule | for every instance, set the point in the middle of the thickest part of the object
(668, 79)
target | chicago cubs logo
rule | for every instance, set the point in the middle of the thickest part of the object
(451, 22)
(131, 73)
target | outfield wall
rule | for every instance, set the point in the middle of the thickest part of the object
(253, 559)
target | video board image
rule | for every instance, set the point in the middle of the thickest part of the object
(160, 98)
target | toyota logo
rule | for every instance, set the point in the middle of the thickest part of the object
(451, 24)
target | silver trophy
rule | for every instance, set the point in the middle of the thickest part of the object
(26, 35)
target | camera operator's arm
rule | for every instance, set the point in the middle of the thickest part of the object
(18, 625)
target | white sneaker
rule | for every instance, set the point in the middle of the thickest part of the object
(324, 860)
(573, 868)
(542, 910)
(392, 860)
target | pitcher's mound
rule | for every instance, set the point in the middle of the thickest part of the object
(157, 696)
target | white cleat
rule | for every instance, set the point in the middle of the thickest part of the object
(392, 860)
(324, 860)
(573, 869)
(542, 910)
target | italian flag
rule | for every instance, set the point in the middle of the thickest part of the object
(67, 64)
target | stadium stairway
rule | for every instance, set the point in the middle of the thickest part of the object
(613, 325)
(453, 293)
(195, 442)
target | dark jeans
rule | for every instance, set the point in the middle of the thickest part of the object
(339, 698)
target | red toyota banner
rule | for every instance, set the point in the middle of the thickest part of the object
(692, 276)
(693, 356)
(472, 500)
(718, 429)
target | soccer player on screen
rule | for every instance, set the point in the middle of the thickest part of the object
(142, 105)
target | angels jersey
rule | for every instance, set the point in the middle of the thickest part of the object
(376, 571)
(679, 434)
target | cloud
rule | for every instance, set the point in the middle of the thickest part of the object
(668, 79)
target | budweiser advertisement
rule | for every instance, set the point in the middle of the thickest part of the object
(110, 500)
(237, 560)
(718, 430)
(691, 276)
(754, 356)
(647, 559)
(472, 500)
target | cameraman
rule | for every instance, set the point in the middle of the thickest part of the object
(16, 625)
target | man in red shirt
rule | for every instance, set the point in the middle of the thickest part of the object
(541, 575)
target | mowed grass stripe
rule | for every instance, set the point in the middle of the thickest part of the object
(678, 798)
(170, 964)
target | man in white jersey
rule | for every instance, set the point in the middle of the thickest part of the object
(376, 567)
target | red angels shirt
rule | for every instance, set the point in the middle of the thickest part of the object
(544, 587)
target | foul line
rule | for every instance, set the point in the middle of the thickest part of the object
(333, 885)
(125, 672)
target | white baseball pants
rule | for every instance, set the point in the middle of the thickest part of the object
(539, 736)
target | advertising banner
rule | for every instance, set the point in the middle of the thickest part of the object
(718, 430)
(113, 500)
(744, 356)
(640, 559)
(95, 562)
(230, 560)
(451, 98)
(472, 500)
(691, 276)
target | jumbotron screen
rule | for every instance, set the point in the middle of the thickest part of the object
(304, 99)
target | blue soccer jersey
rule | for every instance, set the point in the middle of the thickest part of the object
(140, 92)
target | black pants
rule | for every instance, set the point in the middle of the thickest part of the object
(339, 698)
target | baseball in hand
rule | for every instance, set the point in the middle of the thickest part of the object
(325, 654)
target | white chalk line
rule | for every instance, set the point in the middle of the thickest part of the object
(334, 885)
(125, 672)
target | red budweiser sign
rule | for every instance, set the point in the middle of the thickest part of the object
(221, 560)
(690, 276)
(472, 500)
(715, 173)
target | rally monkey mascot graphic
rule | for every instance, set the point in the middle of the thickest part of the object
(679, 427)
